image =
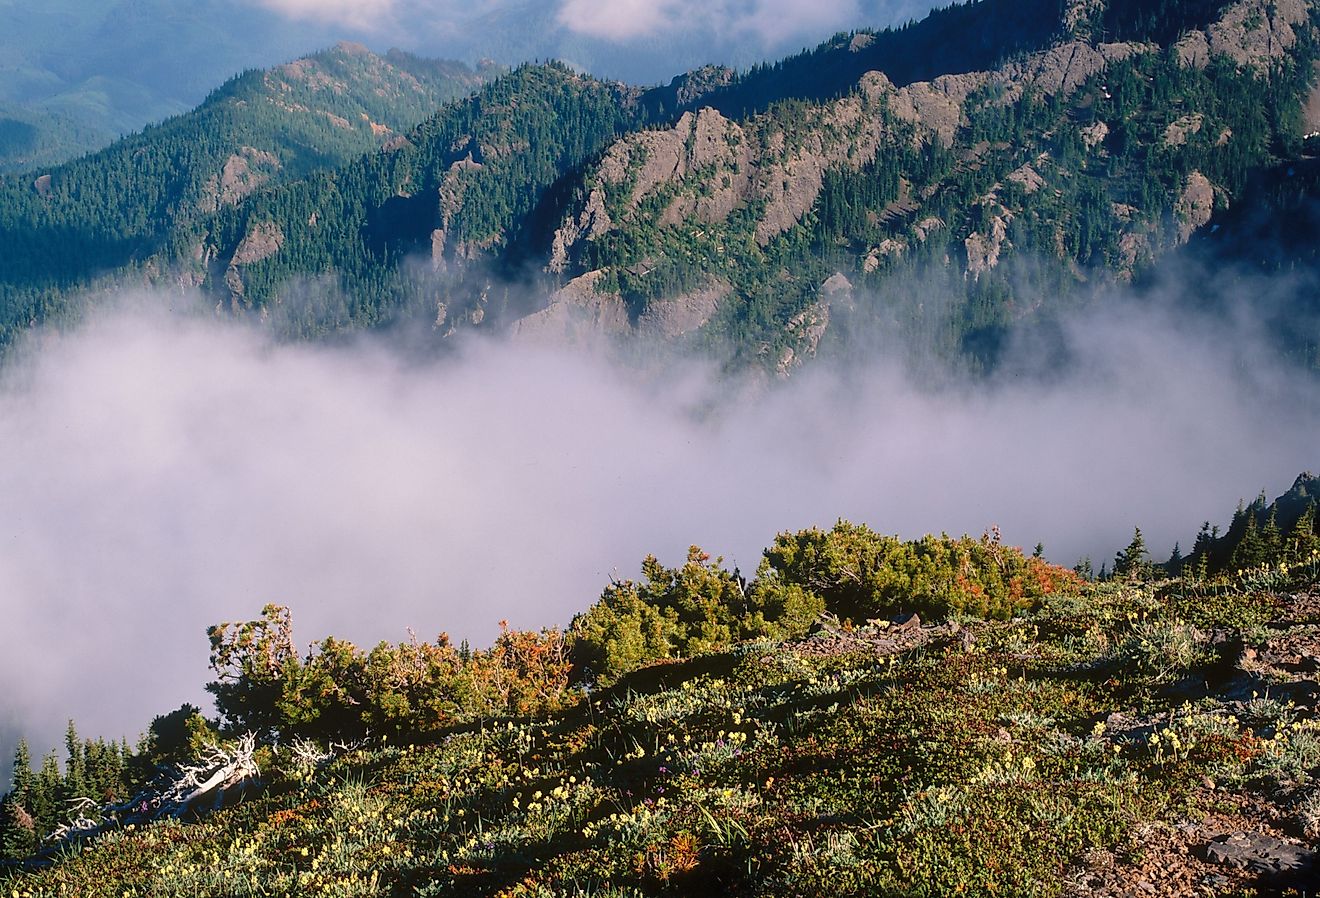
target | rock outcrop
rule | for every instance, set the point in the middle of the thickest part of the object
(709, 167)
(984, 248)
(1253, 33)
(1195, 206)
(263, 240)
(1176, 134)
(243, 173)
(576, 312)
(673, 317)
(937, 106)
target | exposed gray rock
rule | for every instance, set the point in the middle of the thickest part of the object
(806, 329)
(1028, 177)
(983, 250)
(1251, 33)
(672, 317)
(1094, 134)
(1177, 132)
(1261, 854)
(1311, 109)
(593, 221)
(438, 239)
(1195, 206)
(691, 86)
(837, 292)
(927, 226)
(1257, 32)
(262, 242)
(846, 133)
(1193, 49)
(575, 312)
(937, 106)
(243, 173)
(888, 248)
(1062, 69)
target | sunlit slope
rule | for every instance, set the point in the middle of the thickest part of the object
(1133, 731)
(114, 211)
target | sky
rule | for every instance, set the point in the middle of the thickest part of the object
(723, 29)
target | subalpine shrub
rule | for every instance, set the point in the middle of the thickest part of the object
(620, 632)
(683, 611)
(861, 574)
(338, 690)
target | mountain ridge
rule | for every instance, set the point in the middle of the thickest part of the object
(119, 207)
(1072, 162)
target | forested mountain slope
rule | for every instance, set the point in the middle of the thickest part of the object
(947, 183)
(31, 137)
(1001, 191)
(997, 193)
(113, 211)
(86, 72)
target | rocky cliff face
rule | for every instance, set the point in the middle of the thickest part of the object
(707, 166)
(720, 208)
(1254, 33)
(720, 181)
(243, 172)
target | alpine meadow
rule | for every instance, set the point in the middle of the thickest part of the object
(585, 448)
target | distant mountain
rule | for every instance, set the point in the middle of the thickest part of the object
(948, 184)
(32, 137)
(106, 68)
(956, 209)
(129, 203)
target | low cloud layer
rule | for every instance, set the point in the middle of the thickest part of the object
(637, 40)
(162, 473)
(356, 14)
(767, 22)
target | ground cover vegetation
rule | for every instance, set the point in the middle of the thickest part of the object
(865, 716)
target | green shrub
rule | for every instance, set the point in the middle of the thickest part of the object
(680, 612)
(863, 575)
(416, 687)
(620, 632)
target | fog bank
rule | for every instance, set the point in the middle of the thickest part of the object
(162, 473)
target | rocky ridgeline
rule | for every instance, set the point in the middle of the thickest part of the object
(706, 168)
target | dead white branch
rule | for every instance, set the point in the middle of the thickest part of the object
(213, 778)
(213, 781)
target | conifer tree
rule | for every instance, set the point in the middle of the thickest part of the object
(1250, 549)
(1271, 537)
(1302, 540)
(17, 829)
(75, 765)
(1131, 564)
(46, 796)
(22, 771)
